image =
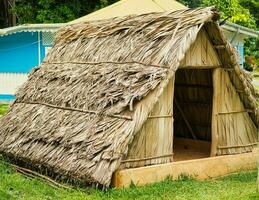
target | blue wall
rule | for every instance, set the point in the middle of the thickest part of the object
(6, 97)
(19, 52)
(240, 49)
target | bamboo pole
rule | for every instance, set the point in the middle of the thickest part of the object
(185, 119)
(200, 66)
(160, 116)
(195, 103)
(34, 174)
(220, 46)
(147, 158)
(240, 91)
(77, 110)
(215, 102)
(228, 69)
(194, 85)
(237, 146)
(108, 62)
(234, 112)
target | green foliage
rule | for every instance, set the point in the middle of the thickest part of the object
(253, 6)
(55, 11)
(252, 44)
(232, 8)
(242, 12)
(252, 51)
(3, 108)
(14, 186)
(191, 3)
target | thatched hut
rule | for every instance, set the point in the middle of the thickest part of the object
(129, 92)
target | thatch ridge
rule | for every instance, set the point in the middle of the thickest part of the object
(107, 68)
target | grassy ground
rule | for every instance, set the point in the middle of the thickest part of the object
(14, 186)
(3, 108)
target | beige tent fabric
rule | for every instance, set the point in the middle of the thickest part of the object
(132, 7)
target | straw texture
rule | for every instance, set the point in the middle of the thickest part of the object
(78, 112)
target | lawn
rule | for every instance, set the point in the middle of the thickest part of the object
(3, 109)
(15, 186)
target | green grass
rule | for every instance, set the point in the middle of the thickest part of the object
(3, 109)
(14, 186)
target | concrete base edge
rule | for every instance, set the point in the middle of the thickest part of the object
(199, 169)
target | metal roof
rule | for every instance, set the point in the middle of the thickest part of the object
(132, 7)
(240, 29)
(31, 28)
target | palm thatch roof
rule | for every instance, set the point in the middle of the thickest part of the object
(78, 112)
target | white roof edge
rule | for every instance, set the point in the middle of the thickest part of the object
(31, 28)
(241, 29)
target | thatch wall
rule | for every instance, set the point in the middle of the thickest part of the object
(201, 54)
(79, 111)
(235, 129)
(153, 144)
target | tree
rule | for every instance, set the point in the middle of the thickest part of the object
(191, 3)
(235, 11)
(253, 6)
(243, 12)
(55, 11)
(252, 44)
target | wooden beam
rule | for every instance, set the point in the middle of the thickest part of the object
(160, 116)
(229, 69)
(195, 103)
(240, 91)
(235, 112)
(147, 158)
(220, 46)
(237, 146)
(201, 125)
(108, 62)
(215, 104)
(76, 109)
(194, 85)
(201, 66)
(185, 119)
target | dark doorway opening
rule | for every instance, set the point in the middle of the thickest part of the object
(192, 113)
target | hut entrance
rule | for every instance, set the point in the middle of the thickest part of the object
(192, 113)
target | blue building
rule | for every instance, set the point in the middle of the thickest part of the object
(236, 35)
(22, 48)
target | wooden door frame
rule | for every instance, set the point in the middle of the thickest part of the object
(214, 117)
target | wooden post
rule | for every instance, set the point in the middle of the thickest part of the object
(215, 103)
(185, 119)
